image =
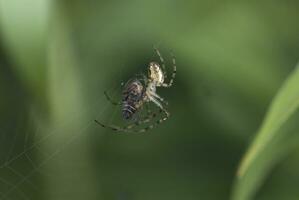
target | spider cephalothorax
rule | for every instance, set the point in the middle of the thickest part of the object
(155, 74)
(138, 92)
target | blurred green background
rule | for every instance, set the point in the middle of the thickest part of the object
(58, 57)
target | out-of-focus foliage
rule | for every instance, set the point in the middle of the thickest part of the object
(277, 136)
(58, 57)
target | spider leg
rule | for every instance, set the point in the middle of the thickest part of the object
(149, 96)
(150, 116)
(133, 125)
(173, 73)
(158, 97)
(155, 101)
(112, 127)
(162, 62)
(156, 123)
(111, 101)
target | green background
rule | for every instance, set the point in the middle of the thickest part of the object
(58, 57)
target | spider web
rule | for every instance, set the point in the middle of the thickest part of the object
(22, 158)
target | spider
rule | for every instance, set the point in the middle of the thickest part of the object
(139, 92)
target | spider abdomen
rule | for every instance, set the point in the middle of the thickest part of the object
(132, 100)
(128, 111)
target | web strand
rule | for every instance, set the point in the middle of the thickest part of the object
(35, 167)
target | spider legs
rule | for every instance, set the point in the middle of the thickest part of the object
(150, 116)
(155, 101)
(173, 73)
(164, 68)
(111, 101)
(155, 95)
(130, 127)
(156, 123)
(162, 62)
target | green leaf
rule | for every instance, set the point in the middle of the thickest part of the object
(277, 136)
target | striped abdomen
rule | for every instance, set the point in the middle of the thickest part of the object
(132, 100)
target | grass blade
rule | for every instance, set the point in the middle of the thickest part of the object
(276, 137)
